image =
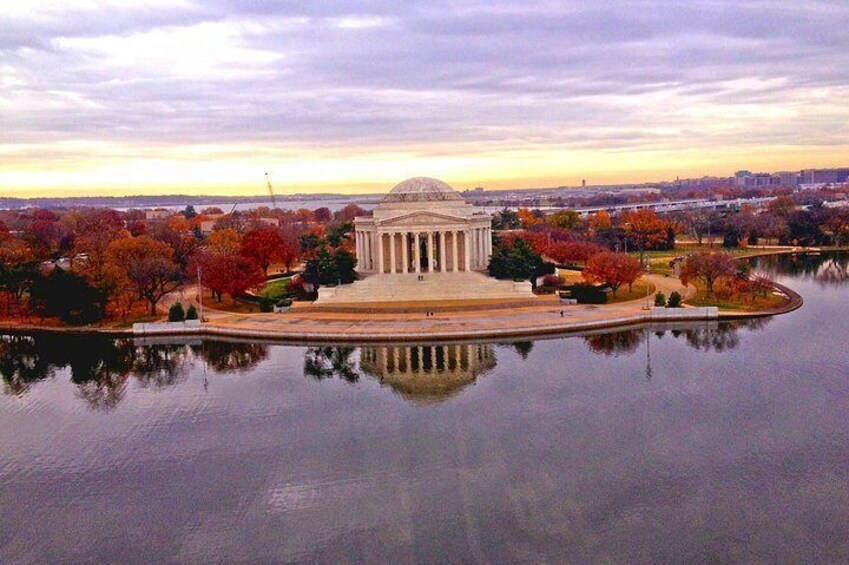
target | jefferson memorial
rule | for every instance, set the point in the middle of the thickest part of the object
(423, 225)
(427, 247)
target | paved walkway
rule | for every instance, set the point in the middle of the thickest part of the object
(338, 326)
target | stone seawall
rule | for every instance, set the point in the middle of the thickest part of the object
(168, 328)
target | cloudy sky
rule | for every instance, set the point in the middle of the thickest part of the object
(204, 96)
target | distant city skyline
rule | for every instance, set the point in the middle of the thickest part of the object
(116, 98)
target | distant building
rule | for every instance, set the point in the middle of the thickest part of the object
(206, 222)
(788, 178)
(748, 179)
(271, 222)
(158, 214)
(824, 176)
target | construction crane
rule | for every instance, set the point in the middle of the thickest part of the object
(270, 190)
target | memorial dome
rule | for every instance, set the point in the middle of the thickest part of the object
(422, 189)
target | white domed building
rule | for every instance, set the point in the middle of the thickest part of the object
(426, 246)
(423, 226)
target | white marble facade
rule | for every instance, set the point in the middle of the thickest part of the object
(423, 225)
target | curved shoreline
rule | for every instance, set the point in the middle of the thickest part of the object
(542, 321)
(382, 333)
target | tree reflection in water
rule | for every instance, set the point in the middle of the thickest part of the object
(101, 368)
(228, 357)
(615, 343)
(829, 269)
(20, 364)
(723, 336)
(523, 348)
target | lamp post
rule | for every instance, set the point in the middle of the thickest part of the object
(200, 295)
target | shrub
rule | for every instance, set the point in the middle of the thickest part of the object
(660, 299)
(266, 305)
(176, 313)
(516, 261)
(674, 300)
(284, 303)
(587, 294)
(191, 312)
(552, 281)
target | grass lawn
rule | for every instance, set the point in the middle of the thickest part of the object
(227, 304)
(743, 303)
(638, 291)
(276, 289)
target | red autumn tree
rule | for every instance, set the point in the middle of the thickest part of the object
(573, 251)
(348, 213)
(322, 215)
(612, 269)
(539, 241)
(709, 268)
(42, 235)
(290, 248)
(263, 245)
(229, 274)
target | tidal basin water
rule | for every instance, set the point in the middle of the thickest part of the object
(692, 443)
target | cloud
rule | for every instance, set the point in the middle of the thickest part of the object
(426, 78)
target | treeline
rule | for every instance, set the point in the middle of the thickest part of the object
(89, 265)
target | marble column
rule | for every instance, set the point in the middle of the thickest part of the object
(405, 253)
(454, 255)
(380, 253)
(481, 249)
(417, 253)
(467, 250)
(443, 263)
(358, 250)
(392, 253)
(430, 252)
(476, 248)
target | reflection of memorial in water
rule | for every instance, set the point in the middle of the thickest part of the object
(428, 373)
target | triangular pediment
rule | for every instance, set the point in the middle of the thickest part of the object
(422, 217)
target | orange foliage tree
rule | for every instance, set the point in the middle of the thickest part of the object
(224, 242)
(529, 217)
(600, 221)
(148, 264)
(644, 228)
